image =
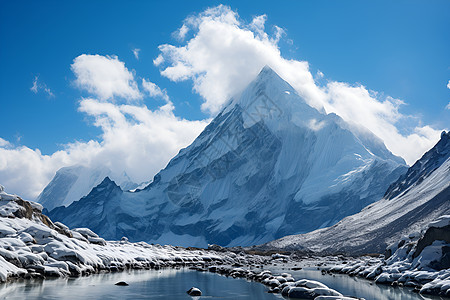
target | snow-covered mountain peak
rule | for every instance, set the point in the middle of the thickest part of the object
(106, 185)
(267, 165)
(269, 98)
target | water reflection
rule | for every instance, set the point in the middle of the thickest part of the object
(173, 284)
(162, 284)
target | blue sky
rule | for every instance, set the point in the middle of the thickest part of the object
(396, 48)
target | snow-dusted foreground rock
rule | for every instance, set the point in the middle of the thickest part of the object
(420, 260)
(32, 246)
(283, 283)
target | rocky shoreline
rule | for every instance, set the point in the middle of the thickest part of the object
(32, 246)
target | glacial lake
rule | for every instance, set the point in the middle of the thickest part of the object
(173, 284)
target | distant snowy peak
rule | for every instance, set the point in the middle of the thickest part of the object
(429, 162)
(72, 183)
(106, 186)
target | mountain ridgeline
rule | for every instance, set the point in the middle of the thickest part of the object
(268, 165)
(417, 198)
(71, 183)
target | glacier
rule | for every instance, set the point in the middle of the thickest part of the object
(268, 165)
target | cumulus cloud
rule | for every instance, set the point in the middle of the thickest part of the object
(38, 86)
(220, 68)
(448, 84)
(448, 106)
(359, 105)
(319, 74)
(141, 141)
(136, 53)
(106, 77)
(154, 90)
(180, 34)
(134, 138)
(4, 143)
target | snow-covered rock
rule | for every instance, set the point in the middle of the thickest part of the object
(418, 199)
(421, 260)
(268, 165)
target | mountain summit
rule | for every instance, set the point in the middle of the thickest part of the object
(267, 165)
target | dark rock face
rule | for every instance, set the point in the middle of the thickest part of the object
(436, 234)
(28, 211)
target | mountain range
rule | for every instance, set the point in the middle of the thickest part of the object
(268, 165)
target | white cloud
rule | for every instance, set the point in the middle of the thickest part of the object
(158, 60)
(382, 117)
(134, 139)
(180, 34)
(141, 141)
(34, 88)
(154, 90)
(448, 106)
(319, 74)
(4, 143)
(448, 84)
(38, 85)
(221, 68)
(106, 77)
(136, 53)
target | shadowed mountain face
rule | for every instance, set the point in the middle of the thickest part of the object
(418, 197)
(268, 165)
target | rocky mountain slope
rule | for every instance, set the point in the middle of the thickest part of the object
(268, 165)
(418, 197)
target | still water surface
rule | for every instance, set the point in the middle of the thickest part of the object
(173, 284)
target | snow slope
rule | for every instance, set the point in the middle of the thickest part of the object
(266, 166)
(72, 183)
(414, 200)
